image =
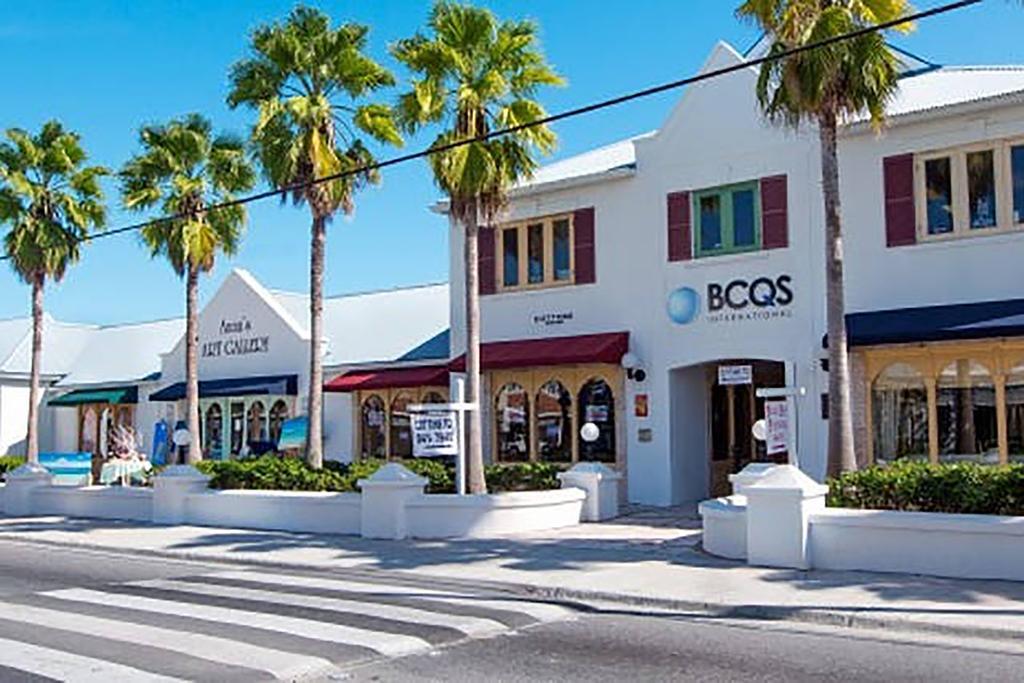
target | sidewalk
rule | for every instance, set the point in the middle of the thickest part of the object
(648, 558)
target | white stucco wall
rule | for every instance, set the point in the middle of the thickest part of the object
(338, 427)
(13, 417)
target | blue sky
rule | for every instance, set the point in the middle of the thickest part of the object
(106, 66)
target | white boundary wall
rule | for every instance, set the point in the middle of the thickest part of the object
(958, 546)
(313, 512)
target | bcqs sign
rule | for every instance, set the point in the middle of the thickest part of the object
(237, 339)
(761, 298)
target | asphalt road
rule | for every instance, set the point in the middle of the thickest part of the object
(83, 615)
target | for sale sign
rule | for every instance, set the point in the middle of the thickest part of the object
(776, 415)
(434, 434)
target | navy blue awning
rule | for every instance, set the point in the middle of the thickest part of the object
(276, 385)
(983, 320)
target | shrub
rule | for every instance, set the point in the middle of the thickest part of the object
(965, 488)
(523, 476)
(10, 462)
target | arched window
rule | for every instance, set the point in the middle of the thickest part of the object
(899, 405)
(1015, 413)
(401, 428)
(512, 423)
(434, 397)
(966, 401)
(257, 419)
(597, 405)
(554, 422)
(213, 432)
(278, 414)
(372, 431)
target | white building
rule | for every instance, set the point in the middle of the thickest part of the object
(687, 250)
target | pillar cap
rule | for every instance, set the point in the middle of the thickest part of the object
(394, 475)
(597, 470)
(182, 473)
(787, 480)
(27, 471)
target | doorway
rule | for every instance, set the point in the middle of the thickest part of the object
(733, 408)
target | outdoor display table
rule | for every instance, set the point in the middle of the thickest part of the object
(124, 471)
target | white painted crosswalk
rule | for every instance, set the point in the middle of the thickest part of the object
(243, 625)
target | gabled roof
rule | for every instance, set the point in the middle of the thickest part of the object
(947, 86)
(62, 342)
(123, 353)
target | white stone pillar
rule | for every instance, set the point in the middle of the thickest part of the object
(751, 474)
(384, 496)
(600, 483)
(21, 483)
(171, 489)
(778, 511)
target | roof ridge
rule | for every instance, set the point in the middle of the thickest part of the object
(350, 295)
(140, 323)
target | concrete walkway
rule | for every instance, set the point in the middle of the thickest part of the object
(648, 558)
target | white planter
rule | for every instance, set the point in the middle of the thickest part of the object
(302, 511)
(601, 485)
(725, 526)
(452, 516)
(101, 502)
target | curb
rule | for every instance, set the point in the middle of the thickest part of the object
(592, 601)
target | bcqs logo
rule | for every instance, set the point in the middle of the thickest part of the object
(762, 298)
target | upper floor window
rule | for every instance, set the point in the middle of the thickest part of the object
(727, 219)
(970, 190)
(536, 253)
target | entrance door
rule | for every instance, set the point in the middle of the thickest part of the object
(734, 409)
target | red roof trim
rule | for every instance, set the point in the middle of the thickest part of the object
(390, 378)
(522, 353)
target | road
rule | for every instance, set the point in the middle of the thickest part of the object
(69, 614)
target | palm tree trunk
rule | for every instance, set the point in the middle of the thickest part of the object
(314, 436)
(195, 452)
(32, 437)
(475, 449)
(841, 457)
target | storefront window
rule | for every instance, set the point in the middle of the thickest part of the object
(597, 405)
(512, 420)
(899, 404)
(213, 433)
(257, 419)
(237, 427)
(372, 433)
(554, 422)
(1015, 413)
(401, 427)
(278, 415)
(434, 397)
(967, 413)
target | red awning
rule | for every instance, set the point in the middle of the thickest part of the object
(521, 353)
(390, 378)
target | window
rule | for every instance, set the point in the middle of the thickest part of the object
(1015, 413)
(939, 195)
(213, 433)
(536, 254)
(966, 413)
(512, 420)
(899, 403)
(554, 422)
(257, 419)
(401, 426)
(372, 427)
(278, 414)
(1017, 174)
(728, 219)
(981, 189)
(597, 405)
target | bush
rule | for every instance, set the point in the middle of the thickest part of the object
(523, 476)
(964, 488)
(10, 462)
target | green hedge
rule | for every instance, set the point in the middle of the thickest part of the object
(965, 488)
(10, 462)
(273, 472)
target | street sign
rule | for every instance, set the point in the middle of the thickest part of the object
(777, 424)
(735, 374)
(434, 434)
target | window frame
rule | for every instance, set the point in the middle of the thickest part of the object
(522, 229)
(1003, 173)
(417, 395)
(725, 196)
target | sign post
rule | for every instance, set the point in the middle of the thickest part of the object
(437, 430)
(780, 420)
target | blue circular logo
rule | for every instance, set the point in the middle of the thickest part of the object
(683, 305)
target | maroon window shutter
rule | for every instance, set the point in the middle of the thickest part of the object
(900, 219)
(679, 244)
(774, 213)
(485, 257)
(583, 229)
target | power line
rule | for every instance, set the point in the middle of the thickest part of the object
(553, 118)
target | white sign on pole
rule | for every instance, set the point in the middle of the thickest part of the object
(434, 434)
(735, 374)
(777, 418)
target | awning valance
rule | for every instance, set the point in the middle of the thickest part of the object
(273, 385)
(522, 353)
(112, 395)
(983, 320)
(390, 378)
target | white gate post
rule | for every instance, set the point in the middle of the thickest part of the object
(779, 507)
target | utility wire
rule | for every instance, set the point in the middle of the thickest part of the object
(569, 113)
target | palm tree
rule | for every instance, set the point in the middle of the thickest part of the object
(308, 83)
(825, 86)
(475, 74)
(50, 199)
(184, 170)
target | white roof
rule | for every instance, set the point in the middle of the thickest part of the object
(948, 86)
(62, 342)
(375, 327)
(619, 155)
(123, 353)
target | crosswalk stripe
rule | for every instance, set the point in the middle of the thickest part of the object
(44, 661)
(390, 644)
(539, 611)
(278, 663)
(470, 626)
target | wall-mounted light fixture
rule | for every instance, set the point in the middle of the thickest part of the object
(633, 367)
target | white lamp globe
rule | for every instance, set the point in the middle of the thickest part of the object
(589, 432)
(182, 437)
(760, 430)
